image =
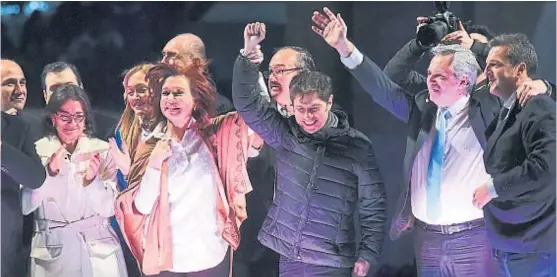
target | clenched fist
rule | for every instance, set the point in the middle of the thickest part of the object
(254, 34)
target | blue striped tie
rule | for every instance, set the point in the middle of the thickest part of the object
(435, 168)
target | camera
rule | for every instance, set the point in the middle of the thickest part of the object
(438, 25)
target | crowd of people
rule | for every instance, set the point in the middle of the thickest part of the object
(288, 182)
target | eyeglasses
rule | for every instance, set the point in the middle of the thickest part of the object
(66, 117)
(279, 72)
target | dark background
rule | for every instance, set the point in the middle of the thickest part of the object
(104, 38)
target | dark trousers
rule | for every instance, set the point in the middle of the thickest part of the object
(265, 266)
(531, 265)
(221, 270)
(461, 254)
(294, 268)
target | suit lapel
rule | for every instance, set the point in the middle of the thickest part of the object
(426, 122)
(511, 117)
(477, 122)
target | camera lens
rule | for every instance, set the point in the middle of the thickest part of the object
(431, 34)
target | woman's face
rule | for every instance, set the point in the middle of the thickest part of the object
(176, 100)
(69, 121)
(139, 95)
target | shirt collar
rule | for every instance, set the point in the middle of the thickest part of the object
(510, 102)
(458, 106)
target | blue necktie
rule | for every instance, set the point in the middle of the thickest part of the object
(435, 168)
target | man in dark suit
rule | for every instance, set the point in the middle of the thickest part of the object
(520, 157)
(20, 166)
(445, 142)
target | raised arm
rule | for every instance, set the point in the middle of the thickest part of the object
(400, 67)
(379, 86)
(247, 94)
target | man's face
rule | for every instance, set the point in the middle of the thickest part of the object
(501, 74)
(14, 87)
(282, 69)
(174, 53)
(311, 112)
(443, 85)
(65, 76)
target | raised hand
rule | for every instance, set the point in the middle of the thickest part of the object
(55, 161)
(160, 153)
(333, 29)
(254, 34)
(92, 170)
(460, 37)
(121, 158)
(422, 21)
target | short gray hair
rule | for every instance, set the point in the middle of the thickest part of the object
(464, 62)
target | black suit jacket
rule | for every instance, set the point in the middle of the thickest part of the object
(20, 165)
(414, 108)
(520, 157)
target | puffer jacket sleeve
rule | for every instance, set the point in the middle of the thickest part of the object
(254, 108)
(372, 207)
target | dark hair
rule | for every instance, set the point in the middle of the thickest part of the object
(307, 82)
(61, 93)
(57, 67)
(478, 29)
(202, 89)
(520, 50)
(304, 59)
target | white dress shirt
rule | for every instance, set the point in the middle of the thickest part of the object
(463, 171)
(196, 241)
(463, 167)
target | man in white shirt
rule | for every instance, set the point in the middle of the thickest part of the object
(443, 161)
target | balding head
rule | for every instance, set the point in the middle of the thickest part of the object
(182, 49)
(14, 86)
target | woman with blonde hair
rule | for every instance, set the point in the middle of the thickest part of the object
(186, 197)
(139, 119)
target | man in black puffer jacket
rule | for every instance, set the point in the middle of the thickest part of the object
(326, 172)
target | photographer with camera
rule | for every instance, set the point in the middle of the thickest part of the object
(443, 160)
(445, 28)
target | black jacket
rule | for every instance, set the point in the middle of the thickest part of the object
(321, 182)
(20, 165)
(520, 157)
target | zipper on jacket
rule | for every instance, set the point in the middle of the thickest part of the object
(309, 187)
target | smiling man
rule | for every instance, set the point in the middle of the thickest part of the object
(14, 87)
(326, 171)
(519, 200)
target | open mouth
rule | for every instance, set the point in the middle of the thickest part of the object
(173, 111)
(139, 105)
(310, 123)
(18, 98)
